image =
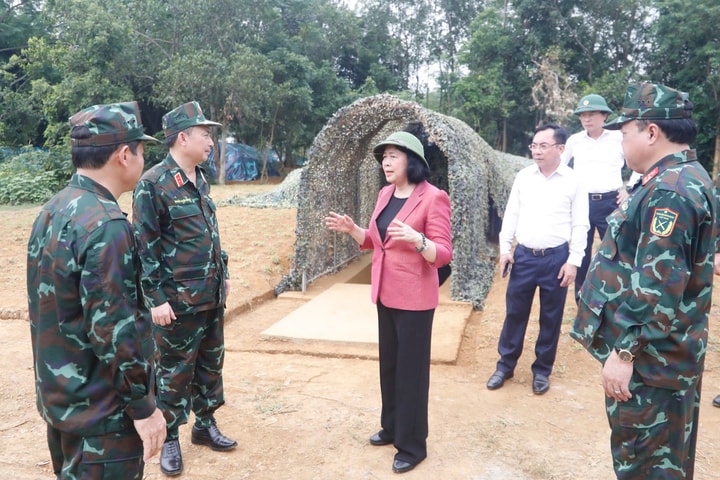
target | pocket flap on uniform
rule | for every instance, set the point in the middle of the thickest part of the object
(194, 272)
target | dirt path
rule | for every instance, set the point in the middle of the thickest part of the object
(309, 417)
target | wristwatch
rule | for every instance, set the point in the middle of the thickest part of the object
(625, 355)
(423, 246)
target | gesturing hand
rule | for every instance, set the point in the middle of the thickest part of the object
(339, 223)
(401, 231)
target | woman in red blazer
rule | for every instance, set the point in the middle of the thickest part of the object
(409, 233)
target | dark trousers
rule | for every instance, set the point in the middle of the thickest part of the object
(111, 455)
(533, 269)
(404, 347)
(190, 356)
(601, 205)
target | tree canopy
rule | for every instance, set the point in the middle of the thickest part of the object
(274, 72)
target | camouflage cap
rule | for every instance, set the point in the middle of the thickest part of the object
(649, 101)
(111, 124)
(185, 116)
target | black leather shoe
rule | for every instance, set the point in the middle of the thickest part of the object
(171, 463)
(401, 466)
(497, 379)
(541, 384)
(716, 401)
(211, 437)
(380, 438)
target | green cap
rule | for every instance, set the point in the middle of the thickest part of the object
(592, 103)
(405, 140)
(185, 116)
(650, 101)
(111, 124)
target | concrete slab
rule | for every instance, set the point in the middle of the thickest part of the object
(341, 313)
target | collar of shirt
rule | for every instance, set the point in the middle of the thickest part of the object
(598, 161)
(86, 183)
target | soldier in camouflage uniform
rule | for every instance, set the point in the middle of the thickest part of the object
(90, 328)
(643, 310)
(186, 281)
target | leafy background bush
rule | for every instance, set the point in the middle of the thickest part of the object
(29, 175)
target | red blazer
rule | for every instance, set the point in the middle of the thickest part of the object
(401, 277)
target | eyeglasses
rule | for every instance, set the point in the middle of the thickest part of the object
(542, 146)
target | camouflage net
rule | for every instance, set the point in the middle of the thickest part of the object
(343, 176)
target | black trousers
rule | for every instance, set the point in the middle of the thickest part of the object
(600, 206)
(533, 269)
(404, 346)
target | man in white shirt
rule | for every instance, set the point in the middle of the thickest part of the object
(598, 159)
(547, 213)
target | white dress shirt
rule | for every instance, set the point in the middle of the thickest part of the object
(598, 162)
(546, 212)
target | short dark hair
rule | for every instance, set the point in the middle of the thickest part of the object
(677, 130)
(170, 141)
(417, 170)
(94, 157)
(560, 135)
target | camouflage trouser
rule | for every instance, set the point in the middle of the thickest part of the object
(112, 456)
(653, 435)
(190, 354)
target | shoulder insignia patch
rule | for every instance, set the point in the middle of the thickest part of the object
(650, 175)
(663, 222)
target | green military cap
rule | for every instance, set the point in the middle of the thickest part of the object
(650, 101)
(405, 140)
(111, 124)
(592, 103)
(185, 116)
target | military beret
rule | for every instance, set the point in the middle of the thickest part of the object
(185, 116)
(649, 101)
(111, 124)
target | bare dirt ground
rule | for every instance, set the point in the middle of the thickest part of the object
(305, 416)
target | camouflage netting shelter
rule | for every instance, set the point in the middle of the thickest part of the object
(343, 176)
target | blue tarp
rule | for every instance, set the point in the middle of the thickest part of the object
(243, 163)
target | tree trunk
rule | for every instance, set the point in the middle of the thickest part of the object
(219, 156)
(220, 159)
(268, 146)
(716, 157)
(504, 136)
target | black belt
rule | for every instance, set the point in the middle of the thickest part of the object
(603, 196)
(541, 252)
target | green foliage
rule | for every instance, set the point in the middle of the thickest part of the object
(33, 176)
(277, 70)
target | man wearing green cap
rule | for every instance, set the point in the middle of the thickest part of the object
(89, 326)
(186, 280)
(598, 160)
(643, 310)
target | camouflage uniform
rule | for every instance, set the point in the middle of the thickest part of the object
(649, 291)
(90, 328)
(183, 264)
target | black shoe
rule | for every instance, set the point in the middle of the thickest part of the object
(716, 401)
(380, 438)
(211, 437)
(171, 463)
(497, 379)
(401, 466)
(541, 384)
